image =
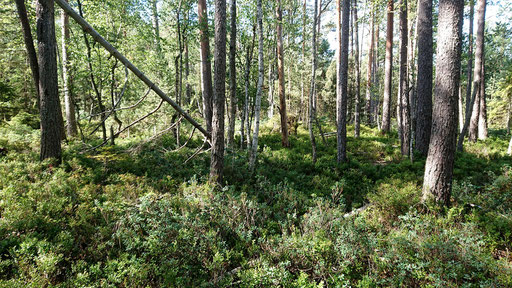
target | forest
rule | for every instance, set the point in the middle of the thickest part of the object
(256, 143)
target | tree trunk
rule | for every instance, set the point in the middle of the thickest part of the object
(470, 58)
(219, 96)
(509, 118)
(179, 68)
(424, 77)
(270, 90)
(206, 66)
(245, 114)
(280, 73)
(403, 88)
(156, 25)
(413, 36)
(312, 88)
(437, 184)
(29, 45)
(474, 132)
(509, 151)
(188, 88)
(302, 85)
(343, 96)
(50, 111)
(357, 118)
(477, 79)
(71, 128)
(388, 71)
(369, 71)
(482, 119)
(475, 115)
(461, 109)
(259, 87)
(232, 76)
(375, 99)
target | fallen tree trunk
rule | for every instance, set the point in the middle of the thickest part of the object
(97, 37)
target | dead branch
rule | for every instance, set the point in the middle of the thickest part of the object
(125, 128)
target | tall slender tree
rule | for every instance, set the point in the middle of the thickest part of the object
(369, 70)
(219, 95)
(280, 73)
(50, 111)
(357, 117)
(411, 70)
(247, 73)
(341, 99)
(470, 58)
(475, 114)
(259, 88)
(403, 87)
(313, 76)
(388, 70)
(424, 77)
(71, 127)
(29, 45)
(303, 61)
(437, 183)
(232, 77)
(477, 77)
(482, 117)
(206, 66)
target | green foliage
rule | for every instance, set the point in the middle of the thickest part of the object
(127, 216)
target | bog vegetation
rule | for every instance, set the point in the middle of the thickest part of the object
(300, 163)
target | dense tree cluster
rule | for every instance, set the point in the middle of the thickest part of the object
(217, 75)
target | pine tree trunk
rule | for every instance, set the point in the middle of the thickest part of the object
(403, 88)
(375, 79)
(232, 76)
(369, 72)
(29, 45)
(437, 184)
(312, 88)
(424, 77)
(50, 111)
(482, 119)
(413, 36)
(343, 96)
(259, 87)
(388, 71)
(302, 84)
(470, 122)
(475, 114)
(219, 96)
(245, 114)
(280, 73)
(357, 117)
(461, 109)
(470, 58)
(205, 63)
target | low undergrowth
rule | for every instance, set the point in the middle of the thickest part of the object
(126, 217)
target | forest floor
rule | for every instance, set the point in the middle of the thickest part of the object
(137, 216)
